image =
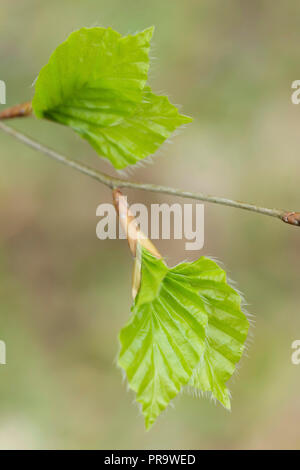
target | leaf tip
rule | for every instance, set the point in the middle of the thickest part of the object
(150, 419)
(149, 32)
(186, 119)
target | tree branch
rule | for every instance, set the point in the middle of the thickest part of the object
(289, 217)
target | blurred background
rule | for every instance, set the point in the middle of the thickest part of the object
(64, 294)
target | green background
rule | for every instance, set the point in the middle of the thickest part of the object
(64, 294)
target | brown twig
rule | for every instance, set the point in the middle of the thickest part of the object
(134, 236)
(20, 110)
(130, 226)
(292, 218)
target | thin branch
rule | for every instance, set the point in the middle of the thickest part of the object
(289, 217)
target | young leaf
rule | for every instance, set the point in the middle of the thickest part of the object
(140, 134)
(186, 323)
(95, 83)
(226, 331)
(164, 338)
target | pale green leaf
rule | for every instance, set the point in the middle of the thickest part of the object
(164, 338)
(140, 134)
(95, 83)
(226, 331)
(186, 327)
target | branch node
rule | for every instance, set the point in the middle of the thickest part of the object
(20, 110)
(292, 218)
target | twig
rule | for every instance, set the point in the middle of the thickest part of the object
(20, 110)
(289, 217)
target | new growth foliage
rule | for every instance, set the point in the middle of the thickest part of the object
(186, 327)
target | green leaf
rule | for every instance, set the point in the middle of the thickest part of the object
(140, 134)
(164, 339)
(226, 331)
(186, 324)
(95, 83)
